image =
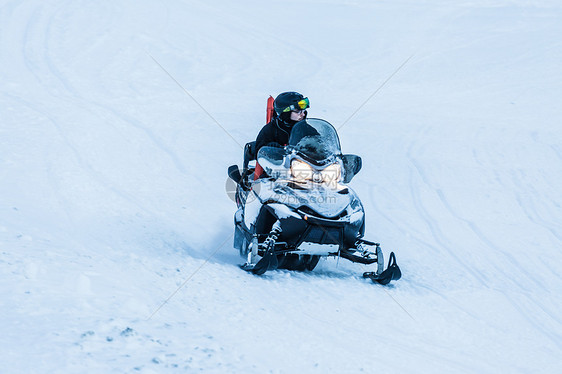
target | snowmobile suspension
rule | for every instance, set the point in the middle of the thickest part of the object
(269, 260)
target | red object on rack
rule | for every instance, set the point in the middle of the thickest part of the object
(270, 110)
(268, 117)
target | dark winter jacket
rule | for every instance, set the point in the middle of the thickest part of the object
(275, 133)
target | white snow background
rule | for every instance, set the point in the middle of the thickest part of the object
(119, 119)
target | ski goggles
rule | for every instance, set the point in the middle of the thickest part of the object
(299, 106)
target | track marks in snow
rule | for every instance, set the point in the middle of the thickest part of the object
(493, 249)
(83, 164)
(41, 64)
(533, 310)
(507, 270)
(528, 199)
(433, 223)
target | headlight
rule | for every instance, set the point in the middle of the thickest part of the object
(331, 174)
(301, 171)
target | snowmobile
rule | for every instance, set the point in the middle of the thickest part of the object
(303, 210)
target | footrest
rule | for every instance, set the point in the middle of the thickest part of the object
(356, 258)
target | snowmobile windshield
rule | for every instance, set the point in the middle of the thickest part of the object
(316, 141)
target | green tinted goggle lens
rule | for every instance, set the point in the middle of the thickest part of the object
(304, 103)
(301, 105)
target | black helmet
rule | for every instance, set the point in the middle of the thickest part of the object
(288, 101)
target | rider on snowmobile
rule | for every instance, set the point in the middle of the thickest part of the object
(290, 108)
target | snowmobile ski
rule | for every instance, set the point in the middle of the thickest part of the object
(391, 273)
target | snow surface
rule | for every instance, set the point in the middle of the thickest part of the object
(119, 119)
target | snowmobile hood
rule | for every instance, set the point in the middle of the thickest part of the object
(326, 202)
